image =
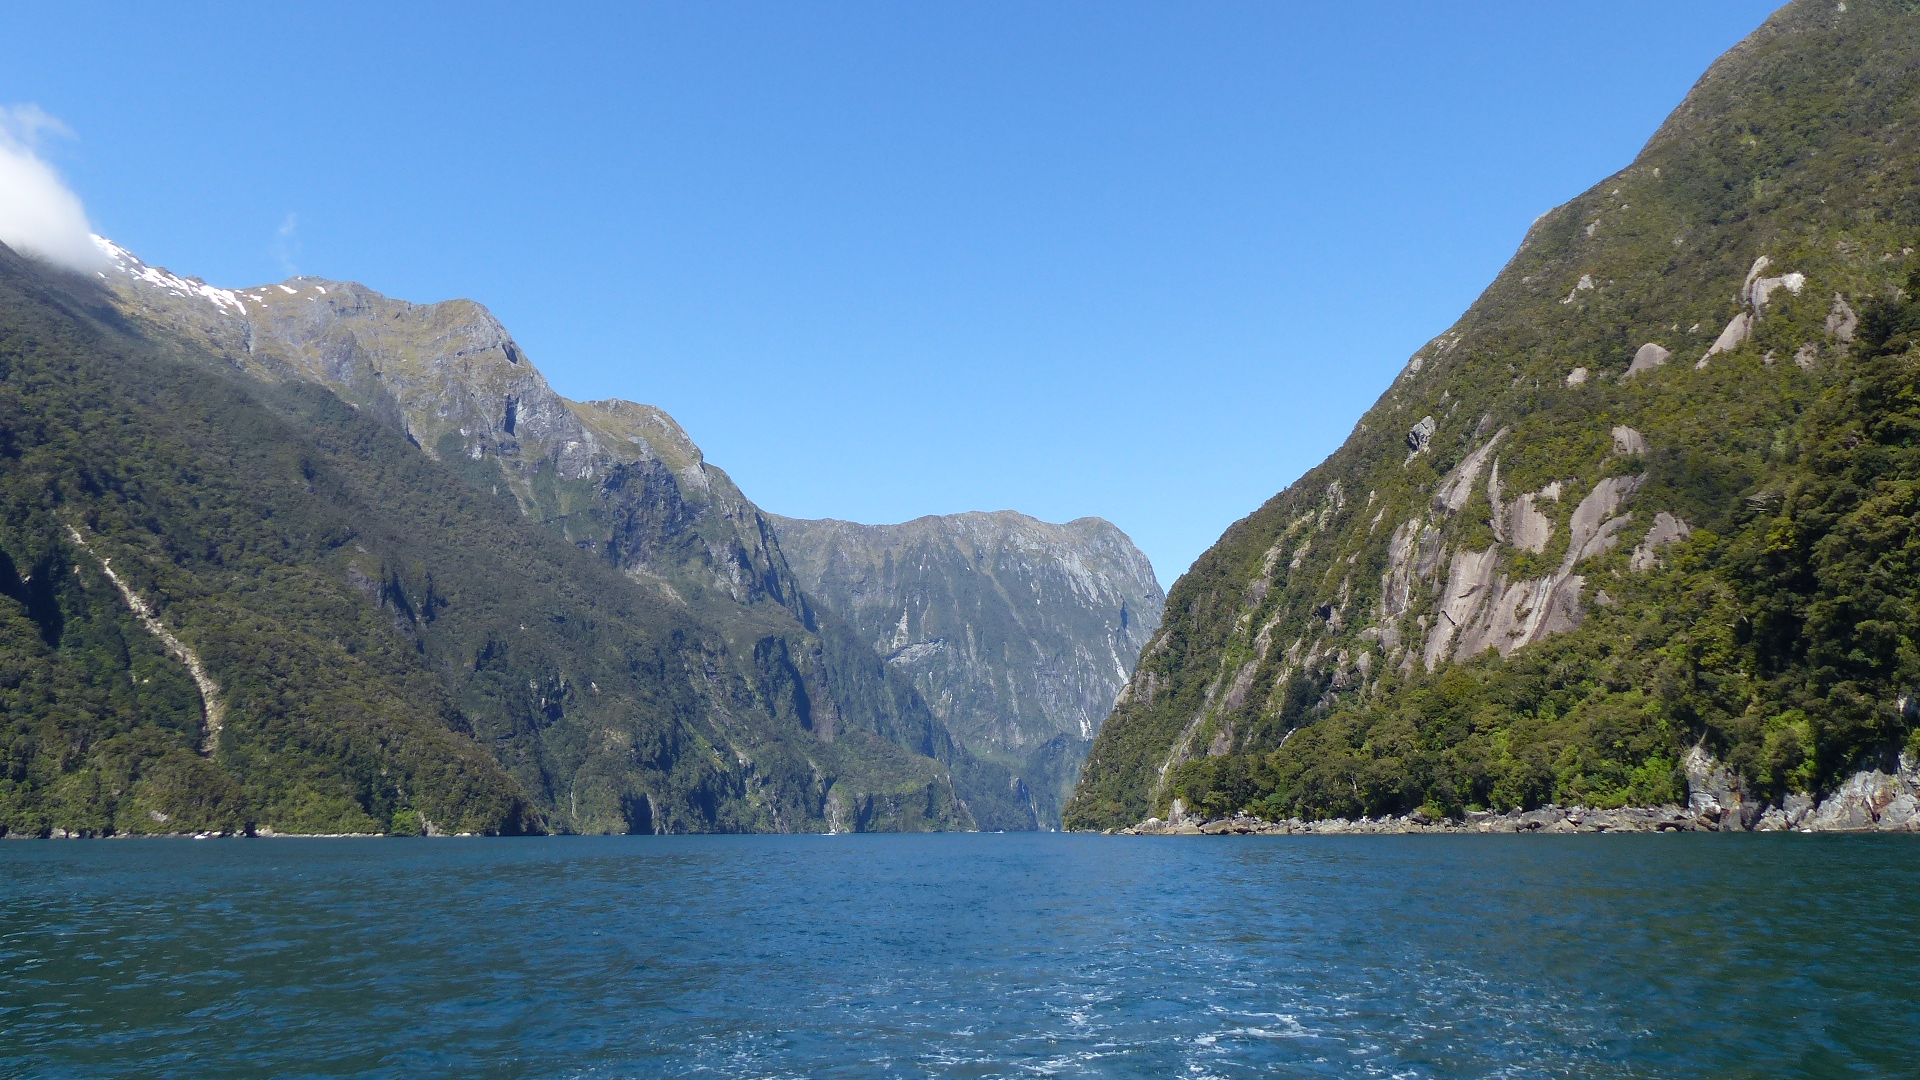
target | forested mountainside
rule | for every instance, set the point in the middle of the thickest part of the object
(1017, 633)
(306, 559)
(1655, 490)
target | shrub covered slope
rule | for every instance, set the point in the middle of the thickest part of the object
(1656, 489)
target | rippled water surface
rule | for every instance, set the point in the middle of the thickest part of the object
(963, 956)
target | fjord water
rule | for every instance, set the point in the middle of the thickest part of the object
(963, 956)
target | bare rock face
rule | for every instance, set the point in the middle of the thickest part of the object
(1667, 529)
(1454, 489)
(1420, 436)
(1842, 321)
(1755, 292)
(1649, 356)
(1715, 794)
(1739, 328)
(1871, 800)
(1480, 609)
(1530, 529)
(1761, 289)
(1018, 633)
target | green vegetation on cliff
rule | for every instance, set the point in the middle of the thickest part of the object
(205, 504)
(389, 642)
(1533, 576)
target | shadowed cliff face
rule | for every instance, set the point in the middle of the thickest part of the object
(1016, 632)
(1634, 501)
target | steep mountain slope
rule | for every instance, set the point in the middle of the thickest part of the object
(1654, 491)
(236, 598)
(1017, 633)
(617, 478)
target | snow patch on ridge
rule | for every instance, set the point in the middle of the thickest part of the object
(125, 262)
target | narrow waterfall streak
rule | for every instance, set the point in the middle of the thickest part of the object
(215, 709)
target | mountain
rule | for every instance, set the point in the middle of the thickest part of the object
(1643, 517)
(304, 558)
(1017, 633)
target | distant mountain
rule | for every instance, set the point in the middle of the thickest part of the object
(305, 558)
(1017, 633)
(1640, 528)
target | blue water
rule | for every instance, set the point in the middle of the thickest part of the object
(964, 956)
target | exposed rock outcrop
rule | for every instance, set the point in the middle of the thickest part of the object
(1871, 799)
(1842, 321)
(1420, 437)
(1754, 294)
(1480, 609)
(1667, 529)
(1648, 357)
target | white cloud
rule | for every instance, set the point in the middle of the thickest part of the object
(39, 215)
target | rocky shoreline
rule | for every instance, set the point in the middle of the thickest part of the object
(1871, 800)
(1550, 819)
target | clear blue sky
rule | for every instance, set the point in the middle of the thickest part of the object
(1143, 261)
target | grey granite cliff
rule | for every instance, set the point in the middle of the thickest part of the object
(1017, 633)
